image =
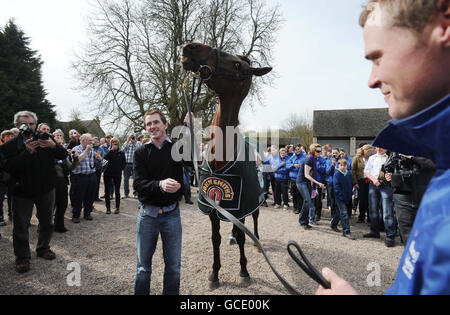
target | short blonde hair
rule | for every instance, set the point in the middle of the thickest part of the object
(412, 14)
(343, 162)
(115, 140)
(313, 147)
(283, 150)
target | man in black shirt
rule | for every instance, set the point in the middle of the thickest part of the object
(158, 182)
(31, 164)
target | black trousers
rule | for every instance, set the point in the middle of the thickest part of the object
(363, 194)
(83, 194)
(281, 190)
(22, 209)
(3, 191)
(406, 216)
(318, 203)
(112, 182)
(98, 173)
(297, 198)
(61, 201)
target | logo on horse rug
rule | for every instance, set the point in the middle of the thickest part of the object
(218, 189)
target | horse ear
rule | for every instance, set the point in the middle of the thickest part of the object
(260, 71)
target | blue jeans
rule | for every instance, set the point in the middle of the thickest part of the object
(148, 230)
(308, 204)
(187, 183)
(127, 173)
(342, 215)
(382, 195)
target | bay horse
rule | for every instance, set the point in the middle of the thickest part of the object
(230, 77)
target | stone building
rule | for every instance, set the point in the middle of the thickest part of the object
(349, 128)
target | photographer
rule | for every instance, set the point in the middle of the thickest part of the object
(83, 179)
(29, 159)
(74, 139)
(409, 177)
(129, 148)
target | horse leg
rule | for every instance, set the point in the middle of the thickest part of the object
(216, 239)
(255, 216)
(240, 238)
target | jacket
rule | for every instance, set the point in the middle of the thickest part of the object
(329, 171)
(32, 175)
(425, 264)
(295, 159)
(342, 186)
(358, 166)
(321, 165)
(282, 173)
(116, 162)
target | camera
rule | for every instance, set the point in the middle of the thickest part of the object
(36, 135)
(133, 138)
(403, 170)
(74, 133)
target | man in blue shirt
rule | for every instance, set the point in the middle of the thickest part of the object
(409, 45)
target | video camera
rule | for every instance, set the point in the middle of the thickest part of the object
(403, 170)
(36, 135)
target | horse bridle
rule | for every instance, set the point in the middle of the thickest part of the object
(203, 65)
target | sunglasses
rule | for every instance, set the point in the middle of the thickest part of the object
(319, 151)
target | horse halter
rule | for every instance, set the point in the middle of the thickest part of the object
(203, 65)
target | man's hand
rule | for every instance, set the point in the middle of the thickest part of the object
(377, 183)
(31, 145)
(47, 143)
(170, 186)
(338, 285)
(296, 165)
(388, 177)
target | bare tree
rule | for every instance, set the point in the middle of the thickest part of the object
(130, 62)
(299, 126)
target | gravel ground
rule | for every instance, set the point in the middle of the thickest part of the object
(105, 250)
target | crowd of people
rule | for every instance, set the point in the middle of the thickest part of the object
(350, 185)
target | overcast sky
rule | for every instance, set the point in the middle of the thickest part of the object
(319, 57)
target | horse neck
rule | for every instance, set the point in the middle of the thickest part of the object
(227, 115)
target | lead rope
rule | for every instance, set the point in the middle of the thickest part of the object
(215, 205)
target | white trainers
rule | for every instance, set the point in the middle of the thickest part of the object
(277, 207)
(285, 207)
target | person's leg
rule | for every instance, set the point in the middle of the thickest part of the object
(390, 222)
(406, 214)
(374, 202)
(98, 174)
(117, 180)
(61, 202)
(306, 194)
(187, 185)
(146, 239)
(318, 204)
(44, 209)
(126, 179)
(76, 195)
(330, 193)
(171, 235)
(91, 183)
(22, 210)
(108, 183)
(294, 194)
(284, 192)
(277, 194)
(343, 213)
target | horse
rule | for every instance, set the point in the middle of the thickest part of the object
(230, 77)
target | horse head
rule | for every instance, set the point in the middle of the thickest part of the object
(224, 73)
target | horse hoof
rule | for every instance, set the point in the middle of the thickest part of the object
(213, 285)
(244, 281)
(231, 241)
(256, 249)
